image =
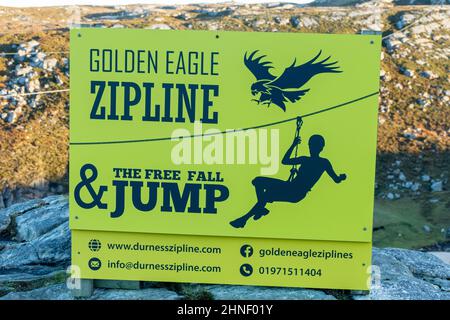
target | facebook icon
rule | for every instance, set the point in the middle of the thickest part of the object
(246, 251)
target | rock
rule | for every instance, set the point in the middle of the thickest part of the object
(402, 274)
(436, 186)
(443, 284)
(58, 80)
(160, 26)
(56, 200)
(281, 21)
(142, 294)
(22, 80)
(421, 264)
(50, 64)
(20, 55)
(5, 290)
(390, 266)
(12, 117)
(31, 277)
(405, 288)
(258, 23)
(391, 44)
(54, 246)
(183, 16)
(60, 292)
(308, 22)
(8, 197)
(20, 71)
(215, 12)
(405, 19)
(50, 248)
(31, 45)
(38, 59)
(429, 75)
(33, 85)
(53, 292)
(28, 273)
(444, 256)
(295, 21)
(6, 215)
(303, 21)
(15, 256)
(407, 72)
(213, 26)
(426, 228)
(221, 292)
(420, 62)
(39, 221)
(425, 178)
(119, 15)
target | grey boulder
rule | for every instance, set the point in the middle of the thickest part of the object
(8, 214)
(220, 292)
(50, 248)
(39, 221)
(61, 292)
(401, 274)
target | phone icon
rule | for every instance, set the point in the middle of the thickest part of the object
(246, 270)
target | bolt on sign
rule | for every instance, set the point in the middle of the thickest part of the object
(223, 157)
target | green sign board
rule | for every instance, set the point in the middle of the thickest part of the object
(223, 157)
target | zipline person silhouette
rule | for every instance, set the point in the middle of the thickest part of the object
(300, 182)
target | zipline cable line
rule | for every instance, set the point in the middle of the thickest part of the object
(33, 93)
(231, 130)
(46, 52)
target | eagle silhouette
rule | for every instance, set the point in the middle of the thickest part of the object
(286, 87)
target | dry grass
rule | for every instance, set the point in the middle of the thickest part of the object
(38, 149)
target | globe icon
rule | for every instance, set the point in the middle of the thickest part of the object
(95, 245)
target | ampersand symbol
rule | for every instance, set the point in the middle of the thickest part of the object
(86, 182)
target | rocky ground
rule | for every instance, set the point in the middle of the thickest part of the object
(35, 254)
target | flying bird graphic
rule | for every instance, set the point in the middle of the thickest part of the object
(286, 87)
